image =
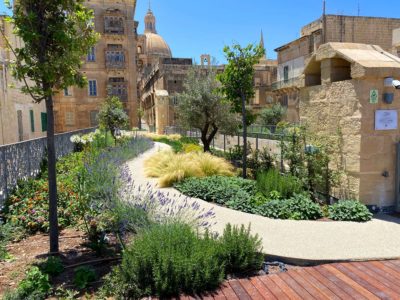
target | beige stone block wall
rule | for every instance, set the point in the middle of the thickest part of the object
(366, 153)
(327, 108)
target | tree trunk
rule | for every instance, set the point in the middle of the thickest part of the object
(52, 180)
(244, 120)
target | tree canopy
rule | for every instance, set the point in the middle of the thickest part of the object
(56, 34)
(112, 115)
(238, 83)
(203, 106)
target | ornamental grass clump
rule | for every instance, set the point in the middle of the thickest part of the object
(171, 168)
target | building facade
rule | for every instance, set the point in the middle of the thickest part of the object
(348, 89)
(20, 118)
(110, 68)
(293, 56)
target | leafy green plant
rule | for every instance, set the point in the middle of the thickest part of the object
(84, 276)
(35, 286)
(218, 189)
(273, 115)
(299, 207)
(349, 210)
(272, 180)
(240, 250)
(52, 266)
(170, 259)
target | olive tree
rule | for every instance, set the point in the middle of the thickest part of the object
(203, 107)
(56, 34)
(238, 83)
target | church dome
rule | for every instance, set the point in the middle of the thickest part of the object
(157, 46)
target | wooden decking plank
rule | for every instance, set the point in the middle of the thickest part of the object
(300, 290)
(331, 286)
(381, 270)
(354, 284)
(363, 279)
(239, 290)
(384, 267)
(262, 289)
(395, 267)
(284, 286)
(228, 292)
(323, 291)
(251, 289)
(311, 289)
(219, 295)
(273, 287)
(340, 283)
(376, 275)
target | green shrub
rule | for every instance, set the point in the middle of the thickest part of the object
(35, 286)
(218, 189)
(272, 180)
(299, 207)
(189, 140)
(170, 259)
(52, 266)
(273, 115)
(274, 209)
(349, 210)
(241, 251)
(242, 201)
(84, 276)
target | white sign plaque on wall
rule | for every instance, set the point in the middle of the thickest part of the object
(386, 120)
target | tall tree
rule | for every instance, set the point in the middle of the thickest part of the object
(202, 106)
(112, 116)
(238, 83)
(56, 35)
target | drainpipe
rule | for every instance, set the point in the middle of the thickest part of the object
(3, 106)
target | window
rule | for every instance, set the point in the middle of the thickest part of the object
(20, 126)
(69, 118)
(94, 120)
(91, 54)
(175, 100)
(286, 73)
(285, 101)
(32, 117)
(67, 92)
(93, 88)
(43, 117)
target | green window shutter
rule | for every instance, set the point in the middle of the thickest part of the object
(44, 121)
(32, 120)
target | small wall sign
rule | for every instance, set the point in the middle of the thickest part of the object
(373, 96)
(386, 120)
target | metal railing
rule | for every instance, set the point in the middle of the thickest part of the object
(23, 160)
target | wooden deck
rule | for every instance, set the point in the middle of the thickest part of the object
(356, 280)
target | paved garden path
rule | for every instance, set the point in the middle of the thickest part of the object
(300, 240)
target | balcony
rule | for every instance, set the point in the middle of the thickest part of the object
(288, 83)
(115, 59)
(114, 25)
(119, 88)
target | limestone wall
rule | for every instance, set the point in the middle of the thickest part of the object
(365, 153)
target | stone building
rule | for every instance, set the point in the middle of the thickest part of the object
(265, 74)
(293, 56)
(110, 68)
(20, 118)
(348, 86)
(161, 77)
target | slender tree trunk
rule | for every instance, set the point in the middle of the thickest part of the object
(51, 157)
(208, 140)
(244, 120)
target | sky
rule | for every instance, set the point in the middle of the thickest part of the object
(195, 27)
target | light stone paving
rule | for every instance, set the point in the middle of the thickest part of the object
(300, 240)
